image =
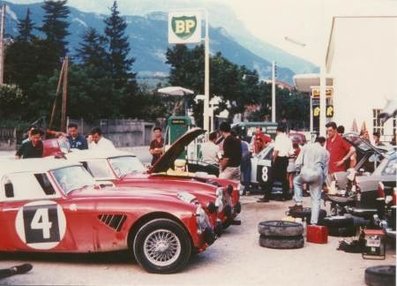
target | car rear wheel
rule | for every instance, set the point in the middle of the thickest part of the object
(162, 246)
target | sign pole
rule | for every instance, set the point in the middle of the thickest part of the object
(206, 113)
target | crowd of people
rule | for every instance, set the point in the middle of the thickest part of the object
(300, 168)
(32, 146)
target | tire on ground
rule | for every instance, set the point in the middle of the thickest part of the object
(342, 231)
(164, 232)
(321, 216)
(338, 221)
(381, 275)
(280, 228)
(278, 242)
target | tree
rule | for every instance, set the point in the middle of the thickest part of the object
(120, 62)
(25, 29)
(55, 28)
(92, 51)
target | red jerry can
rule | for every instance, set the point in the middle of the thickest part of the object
(317, 234)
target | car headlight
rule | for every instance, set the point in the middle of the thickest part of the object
(219, 192)
(187, 197)
(201, 218)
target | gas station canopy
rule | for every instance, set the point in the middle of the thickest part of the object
(305, 82)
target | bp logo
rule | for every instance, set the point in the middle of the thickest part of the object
(184, 26)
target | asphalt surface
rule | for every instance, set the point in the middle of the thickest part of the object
(234, 259)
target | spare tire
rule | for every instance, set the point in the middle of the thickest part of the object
(342, 231)
(280, 228)
(338, 221)
(278, 242)
(381, 275)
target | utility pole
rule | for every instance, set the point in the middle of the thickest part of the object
(273, 91)
(64, 95)
(3, 12)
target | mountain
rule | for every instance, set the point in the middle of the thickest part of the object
(149, 39)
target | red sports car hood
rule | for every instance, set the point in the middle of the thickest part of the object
(167, 160)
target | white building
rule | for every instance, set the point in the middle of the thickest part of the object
(362, 61)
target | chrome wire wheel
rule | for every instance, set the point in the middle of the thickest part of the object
(162, 247)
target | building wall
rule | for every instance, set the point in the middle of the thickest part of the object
(362, 58)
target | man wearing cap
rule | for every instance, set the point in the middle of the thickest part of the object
(230, 163)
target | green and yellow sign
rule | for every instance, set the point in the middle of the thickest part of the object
(184, 27)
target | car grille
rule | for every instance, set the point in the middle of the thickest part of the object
(113, 221)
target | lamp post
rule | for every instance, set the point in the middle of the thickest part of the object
(273, 91)
(322, 103)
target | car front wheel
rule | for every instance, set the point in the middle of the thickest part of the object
(162, 246)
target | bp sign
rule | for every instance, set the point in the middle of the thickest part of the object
(184, 27)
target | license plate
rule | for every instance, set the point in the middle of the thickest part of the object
(373, 242)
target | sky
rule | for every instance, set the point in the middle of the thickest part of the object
(300, 27)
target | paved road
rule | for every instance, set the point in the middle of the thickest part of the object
(234, 259)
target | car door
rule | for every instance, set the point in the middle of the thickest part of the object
(262, 166)
(29, 214)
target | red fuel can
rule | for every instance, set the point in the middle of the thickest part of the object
(317, 234)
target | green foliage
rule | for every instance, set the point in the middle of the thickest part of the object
(239, 88)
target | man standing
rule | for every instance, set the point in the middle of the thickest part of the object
(98, 142)
(32, 148)
(230, 163)
(282, 148)
(339, 149)
(209, 150)
(313, 165)
(76, 140)
(157, 145)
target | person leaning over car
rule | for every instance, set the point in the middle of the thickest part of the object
(32, 148)
(98, 142)
(229, 165)
(76, 140)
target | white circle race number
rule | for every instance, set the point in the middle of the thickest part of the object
(41, 225)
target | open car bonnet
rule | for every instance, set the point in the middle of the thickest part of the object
(362, 145)
(167, 160)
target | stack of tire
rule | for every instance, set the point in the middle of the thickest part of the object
(280, 234)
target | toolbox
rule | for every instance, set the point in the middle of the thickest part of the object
(375, 247)
(317, 234)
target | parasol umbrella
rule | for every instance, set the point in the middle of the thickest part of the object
(354, 126)
(175, 90)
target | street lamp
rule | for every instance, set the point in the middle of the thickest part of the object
(322, 103)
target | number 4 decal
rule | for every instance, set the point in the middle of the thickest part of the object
(41, 221)
(41, 225)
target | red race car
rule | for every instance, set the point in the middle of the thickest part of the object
(125, 169)
(49, 205)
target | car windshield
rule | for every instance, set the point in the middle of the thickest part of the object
(125, 165)
(387, 167)
(72, 178)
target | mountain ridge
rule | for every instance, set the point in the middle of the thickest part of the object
(149, 51)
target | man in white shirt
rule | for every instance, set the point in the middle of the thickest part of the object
(209, 150)
(281, 151)
(98, 142)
